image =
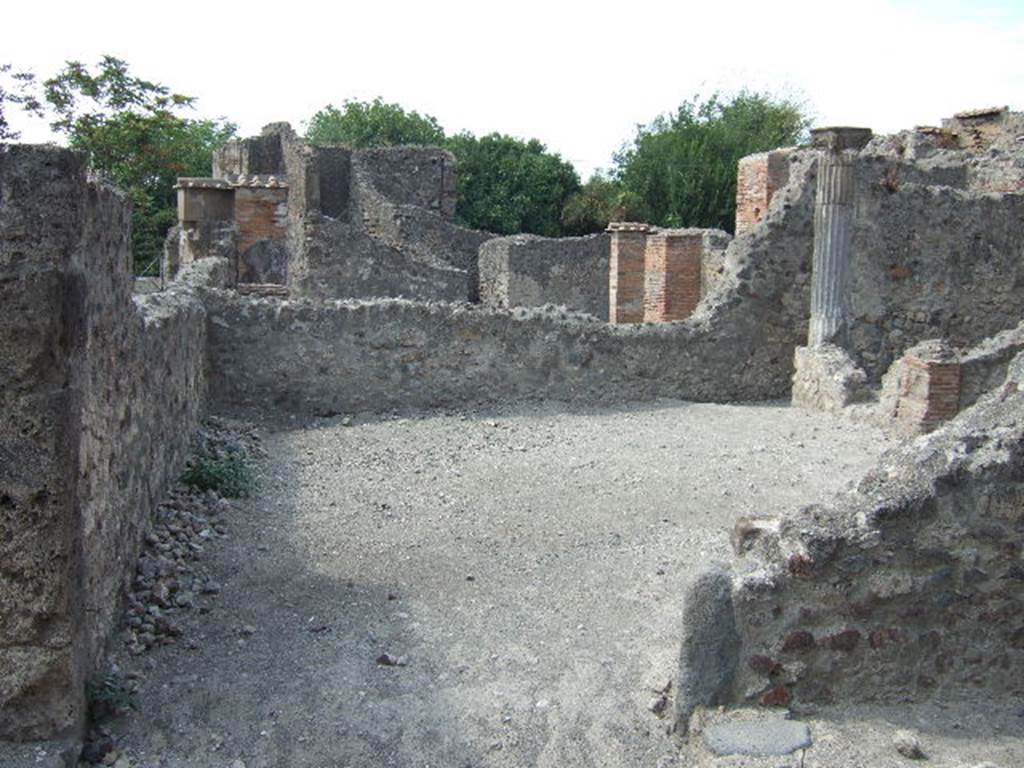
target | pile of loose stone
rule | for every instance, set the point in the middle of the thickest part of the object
(169, 578)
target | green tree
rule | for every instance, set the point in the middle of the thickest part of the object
(601, 200)
(682, 167)
(134, 135)
(22, 84)
(507, 185)
(372, 124)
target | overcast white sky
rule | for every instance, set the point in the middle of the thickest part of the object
(578, 76)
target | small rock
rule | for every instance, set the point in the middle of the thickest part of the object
(161, 595)
(247, 630)
(908, 745)
(96, 749)
(657, 704)
(389, 660)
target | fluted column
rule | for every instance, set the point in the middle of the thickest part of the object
(833, 234)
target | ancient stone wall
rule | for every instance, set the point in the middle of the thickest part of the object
(356, 223)
(933, 256)
(626, 275)
(340, 261)
(908, 587)
(672, 274)
(531, 271)
(101, 392)
(316, 356)
(984, 366)
(423, 177)
(416, 218)
(930, 262)
(758, 178)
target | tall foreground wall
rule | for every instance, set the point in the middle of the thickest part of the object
(100, 393)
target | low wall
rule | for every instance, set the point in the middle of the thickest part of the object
(909, 587)
(984, 366)
(101, 393)
(329, 357)
(531, 271)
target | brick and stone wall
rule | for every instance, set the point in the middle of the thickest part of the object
(315, 356)
(531, 271)
(930, 262)
(908, 587)
(929, 387)
(627, 281)
(758, 178)
(414, 219)
(101, 393)
(261, 220)
(672, 274)
(934, 255)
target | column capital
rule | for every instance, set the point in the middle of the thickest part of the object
(838, 138)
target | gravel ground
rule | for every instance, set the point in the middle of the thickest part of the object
(493, 587)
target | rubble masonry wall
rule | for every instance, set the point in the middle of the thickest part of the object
(906, 587)
(101, 393)
(531, 271)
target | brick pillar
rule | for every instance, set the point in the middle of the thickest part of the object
(929, 388)
(672, 279)
(833, 233)
(626, 272)
(758, 178)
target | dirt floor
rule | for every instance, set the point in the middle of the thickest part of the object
(493, 587)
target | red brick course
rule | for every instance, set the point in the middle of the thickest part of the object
(759, 177)
(672, 281)
(929, 393)
(626, 272)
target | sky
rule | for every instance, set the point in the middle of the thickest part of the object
(579, 76)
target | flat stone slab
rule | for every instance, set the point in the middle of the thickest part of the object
(758, 738)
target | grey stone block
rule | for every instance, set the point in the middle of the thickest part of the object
(707, 659)
(758, 738)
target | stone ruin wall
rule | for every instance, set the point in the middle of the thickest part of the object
(907, 586)
(94, 369)
(532, 271)
(100, 394)
(311, 356)
(935, 255)
(904, 588)
(758, 178)
(930, 262)
(352, 223)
